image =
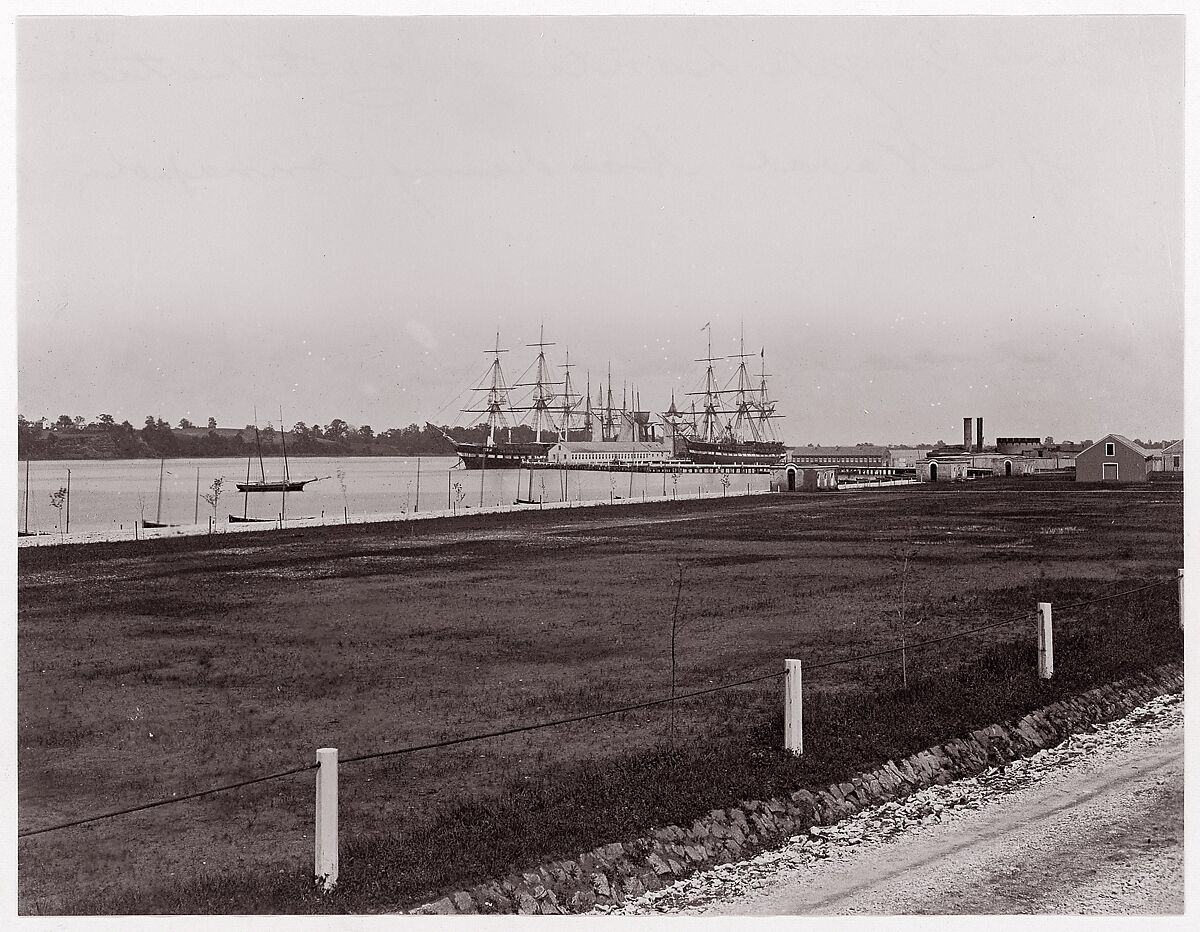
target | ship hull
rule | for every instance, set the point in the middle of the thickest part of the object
(500, 455)
(728, 453)
(292, 486)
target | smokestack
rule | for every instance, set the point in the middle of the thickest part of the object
(979, 435)
(966, 435)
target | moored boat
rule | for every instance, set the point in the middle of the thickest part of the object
(740, 434)
(734, 452)
(292, 485)
(494, 452)
(287, 484)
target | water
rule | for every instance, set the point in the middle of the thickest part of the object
(112, 495)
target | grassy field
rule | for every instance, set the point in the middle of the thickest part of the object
(152, 670)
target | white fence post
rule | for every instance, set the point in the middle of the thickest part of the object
(1045, 629)
(326, 860)
(1181, 598)
(793, 708)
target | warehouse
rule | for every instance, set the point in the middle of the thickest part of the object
(1114, 458)
(839, 456)
(584, 453)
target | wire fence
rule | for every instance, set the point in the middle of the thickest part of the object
(618, 710)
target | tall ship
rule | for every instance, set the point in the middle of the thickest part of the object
(499, 450)
(734, 426)
(546, 413)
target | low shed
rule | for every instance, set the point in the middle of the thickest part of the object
(791, 477)
(1172, 457)
(952, 468)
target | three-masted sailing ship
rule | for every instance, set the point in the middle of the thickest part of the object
(547, 414)
(737, 434)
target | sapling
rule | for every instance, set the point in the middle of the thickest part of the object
(341, 478)
(213, 495)
(57, 500)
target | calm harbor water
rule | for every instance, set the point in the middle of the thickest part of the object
(109, 495)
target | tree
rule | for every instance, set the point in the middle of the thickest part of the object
(303, 434)
(341, 478)
(337, 429)
(366, 433)
(106, 420)
(184, 423)
(56, 501)
(27, 432)
(213, 495)
(212, 423)
(64, 422)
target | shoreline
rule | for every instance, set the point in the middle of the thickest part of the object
(52, 539)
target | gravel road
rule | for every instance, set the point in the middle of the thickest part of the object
(1093, 826)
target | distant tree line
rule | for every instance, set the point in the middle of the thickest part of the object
(103, 438)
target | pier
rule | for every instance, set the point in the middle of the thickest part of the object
(745, 469)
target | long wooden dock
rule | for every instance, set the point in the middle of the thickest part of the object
(667, 467)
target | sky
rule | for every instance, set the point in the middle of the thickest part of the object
(915, 219)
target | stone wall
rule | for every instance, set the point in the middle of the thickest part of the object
(612, 873)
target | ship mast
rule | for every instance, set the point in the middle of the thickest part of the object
(498, 403)
(587, 411)
(710, 432)
(569, 401)
(743, 414)
(541, 398)
(609, 434)
(765, 406)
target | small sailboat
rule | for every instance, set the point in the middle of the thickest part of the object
(27, 532)
(287, 484)
(244, 517)
(158, 521)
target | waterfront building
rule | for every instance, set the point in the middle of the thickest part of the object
(624, 453)
(846, 457)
